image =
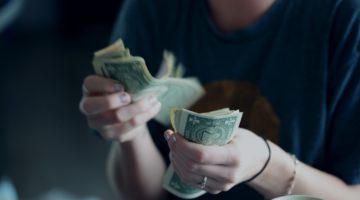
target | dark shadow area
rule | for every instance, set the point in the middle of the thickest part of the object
(44, 56)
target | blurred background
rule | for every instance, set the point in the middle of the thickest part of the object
(45, 53)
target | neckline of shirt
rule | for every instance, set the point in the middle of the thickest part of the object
(265, 23)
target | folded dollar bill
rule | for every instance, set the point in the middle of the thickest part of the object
(116, 62)
(211, 128)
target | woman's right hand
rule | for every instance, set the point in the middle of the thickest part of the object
(110, 111)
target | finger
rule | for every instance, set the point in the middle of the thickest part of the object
(128, 112)
(98, 84)
(98, 104)
(212, 185)
(180, 167)
(146, 116)
(220, 173)
(110, 119)
(186, 163)
(191, 160)
(168, 135)
(200, 153)
(193, 179)
(223, 174)
(85, 91)
(114, 131)
(177, 167)
(124, 114)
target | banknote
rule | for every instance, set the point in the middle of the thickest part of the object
(116, 62)
(212, 128)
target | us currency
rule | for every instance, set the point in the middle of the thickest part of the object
(212, 128)
(116, 62)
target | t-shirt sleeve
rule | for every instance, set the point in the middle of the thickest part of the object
(139, 27)
(343, 154)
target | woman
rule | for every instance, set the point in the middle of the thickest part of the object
(292, 66)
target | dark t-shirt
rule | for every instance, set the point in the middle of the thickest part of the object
(294, 72)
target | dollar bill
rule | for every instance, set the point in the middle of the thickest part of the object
(116, 62)
(212, 128)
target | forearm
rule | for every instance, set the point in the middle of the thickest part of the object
(136, 168)
(317, 183)
(275, 180)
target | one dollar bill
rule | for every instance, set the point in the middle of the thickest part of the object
(212, 128)
(116, 62)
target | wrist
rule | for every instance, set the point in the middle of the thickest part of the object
(264, 164)
(258, 157)
(138, 135)
(273, 181)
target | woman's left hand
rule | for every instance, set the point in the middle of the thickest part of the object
(224, 166)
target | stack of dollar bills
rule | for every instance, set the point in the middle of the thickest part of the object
(212, 128)
(116, 62)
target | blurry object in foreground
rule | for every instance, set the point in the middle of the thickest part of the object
(211, 128)
(7, 190)
(9, 12)
(116, 62)
(57, 194)
(297, 197)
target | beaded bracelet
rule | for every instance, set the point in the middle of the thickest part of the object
(266, 163)
(291, 186)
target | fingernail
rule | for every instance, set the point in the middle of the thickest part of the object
(85, 90)
(118, 87)
(167, 135)
(124, 98)
(174, 138)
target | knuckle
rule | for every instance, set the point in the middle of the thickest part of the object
(192, 166)
(108, 102)
(200, 156)
(131, 110)
(236, 160)
(136, 121)
(118, 117)
(89, 80)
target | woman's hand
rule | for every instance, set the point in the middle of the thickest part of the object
(224, 166)
(109, 109)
